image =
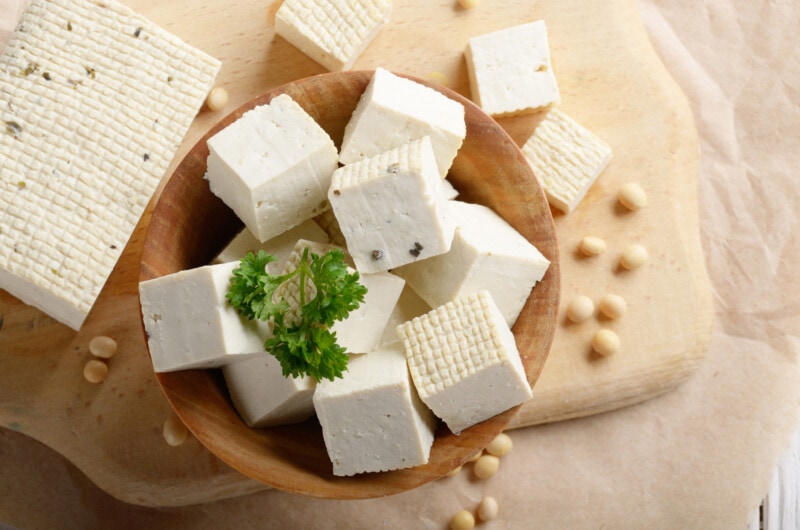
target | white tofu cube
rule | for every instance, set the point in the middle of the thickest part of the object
(487, 254)
(464, 361)
(566, 158)
(272, 167)
(331, 32)
(391, 209)
(393, 111)
(280, 247)
(510, 71)
(408, 306)
(190, 324)
(264, 397)
(372, 419)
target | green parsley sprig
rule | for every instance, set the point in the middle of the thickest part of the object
(302, 342)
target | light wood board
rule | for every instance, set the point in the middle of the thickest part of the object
(611, 81)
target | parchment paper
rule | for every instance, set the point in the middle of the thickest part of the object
(699, 457)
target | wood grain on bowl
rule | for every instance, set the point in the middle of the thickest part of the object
(190, 225)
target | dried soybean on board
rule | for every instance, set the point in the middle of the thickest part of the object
(611, 81)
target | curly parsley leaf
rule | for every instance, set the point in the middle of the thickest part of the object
(302, 341)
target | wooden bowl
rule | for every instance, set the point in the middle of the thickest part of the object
(190, 225)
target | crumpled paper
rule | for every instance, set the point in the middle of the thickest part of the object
(698, 457)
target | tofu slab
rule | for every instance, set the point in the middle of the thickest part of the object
(94, 102)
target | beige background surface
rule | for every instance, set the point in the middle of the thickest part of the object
(698, 457)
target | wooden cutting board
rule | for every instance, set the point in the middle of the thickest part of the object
(611, 81)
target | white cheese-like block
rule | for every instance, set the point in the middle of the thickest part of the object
(391, 209)
(190, 324)
(327, 221)
(272, 167)
(566, 158)
(408, 306)
(94, 102)
(487, 254)
(464, 361)
(332, 32)
(510, 70)
(264, 397)
(280, 246)
(393, 111)
(361, 331)
(372, 419)
(448, 190)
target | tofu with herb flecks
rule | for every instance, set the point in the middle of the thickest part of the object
(566, 157)
(393, 111)
(487, 254)
(263, 397)
(372, 418)
(190, 324)
(510, 70)
(272, 167)
(332, 32)
(391, 209)
(464, 361)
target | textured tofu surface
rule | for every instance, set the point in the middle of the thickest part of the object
(391, 208)
(272, 167)
(190, 324)
(566, 157)
(464, 361)
(263, 397)
(487, 254)
(372, 419)
(510, 70)
(394, 111)
(332, 32)
(94, 102)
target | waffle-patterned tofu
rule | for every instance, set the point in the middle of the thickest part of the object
(190, 324)
(331, 32)
(394, 111)
(464, 361)
(372, 418)
(566, 157)
(391, 208)
(487, 254)
(510, 71)
(94, 102)
(272, 167)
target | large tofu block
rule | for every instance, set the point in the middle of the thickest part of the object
(94, 102)
(361, 331)
(391, 209)
(487, 254)
(263, 397)
(464, 361)
(272, 167)
(566, 157)
(280, 246)
(332, 32)
(393, 111)
(190, 324)
(510, 71)
(372, 419)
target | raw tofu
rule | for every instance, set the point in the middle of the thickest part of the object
(332, 32)
(409, 306)
(264, 397)
(464, 361)
(487, 254)
(327, 221)
(94, 102)
(272, 167)
(393, 111)
(361, 331)
(510, 71)
(280, 246)
(190, 324)
(372, 418)
(391, 209)
(566, 158)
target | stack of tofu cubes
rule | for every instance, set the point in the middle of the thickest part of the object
(445, 279)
